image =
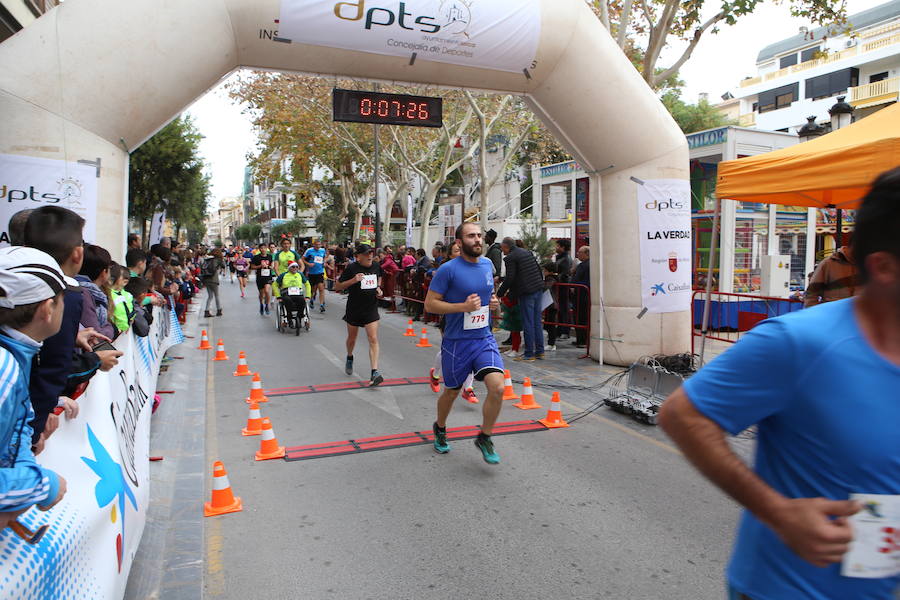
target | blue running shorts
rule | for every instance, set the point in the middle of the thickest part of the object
(461, 357)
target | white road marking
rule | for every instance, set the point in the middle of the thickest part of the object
(382, 398)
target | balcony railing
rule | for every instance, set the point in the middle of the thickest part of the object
(886, 90)
(817, 62)
(748, 120)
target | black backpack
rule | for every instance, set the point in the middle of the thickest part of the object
(208, 270)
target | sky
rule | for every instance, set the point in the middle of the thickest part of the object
(719, 62)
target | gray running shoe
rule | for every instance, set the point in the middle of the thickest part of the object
(348, 366)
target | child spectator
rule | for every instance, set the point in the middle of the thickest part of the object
(93, 276)
(139, 288)
(123, 302)
(32, 287)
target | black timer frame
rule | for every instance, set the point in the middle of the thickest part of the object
(378, 108)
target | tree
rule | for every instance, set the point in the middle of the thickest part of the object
(643, 28)
(166, 173)
(248, 232)
(534, 237)
(694, 117)
(290, 229)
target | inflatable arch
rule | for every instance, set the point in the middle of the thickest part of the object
(96, 78)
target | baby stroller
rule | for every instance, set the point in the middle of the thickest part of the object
(292, 311)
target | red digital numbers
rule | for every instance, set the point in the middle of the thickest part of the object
(417, 111)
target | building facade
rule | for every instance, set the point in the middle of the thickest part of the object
(18, 14)
(803, 75)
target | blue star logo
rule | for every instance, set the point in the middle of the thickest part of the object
(112, 484)
(657, 289)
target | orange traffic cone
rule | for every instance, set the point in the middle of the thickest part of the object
(268, 445)
(254, 421)
(423, 341)
(220, 351)
(527, 397)
(204, 342)
(410, 332)
(242, 370)
(256, 391)
(223, 500)
(554, 415)
(508, 393)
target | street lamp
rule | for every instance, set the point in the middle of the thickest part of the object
(841, 116)
(811, 130)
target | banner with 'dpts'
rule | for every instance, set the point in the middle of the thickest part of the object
(494, 34)
(664, 226)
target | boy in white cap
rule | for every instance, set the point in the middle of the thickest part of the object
(31, 310)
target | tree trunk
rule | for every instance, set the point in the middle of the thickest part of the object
(428, 196)
(143, 233)
(483, 189)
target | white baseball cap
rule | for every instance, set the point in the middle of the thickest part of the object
(28, 276)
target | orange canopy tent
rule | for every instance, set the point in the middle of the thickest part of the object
(835, 170)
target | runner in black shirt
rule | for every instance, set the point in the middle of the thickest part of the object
(262, 264)
(362, 279)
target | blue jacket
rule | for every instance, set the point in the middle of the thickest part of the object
(23, 482)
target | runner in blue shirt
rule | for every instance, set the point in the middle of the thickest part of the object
(463, 290)
(821, 387)
(314, 259)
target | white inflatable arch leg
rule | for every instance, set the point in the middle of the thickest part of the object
(95, 78)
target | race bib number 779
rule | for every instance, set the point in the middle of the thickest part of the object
(477, 319)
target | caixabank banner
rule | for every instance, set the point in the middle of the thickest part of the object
(664, 222)
(94, 532)
(494, 34)
(28, 182)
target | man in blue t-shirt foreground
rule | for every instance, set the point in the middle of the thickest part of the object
(314, 259)
(821, 385)
(463, 290)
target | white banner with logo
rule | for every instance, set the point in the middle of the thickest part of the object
(409, 219)
(28, 182)
(103, 455)
(664, 223)
(494, 34)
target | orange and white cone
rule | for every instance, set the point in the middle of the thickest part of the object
(508, 392)
(256, 391)
(242, 369)
(220, 351)
(410, 332)
(254, 422)
(527, 402)
(268, 445)
(423, 341)
(204, 342)
(223, 500)
(554, 415)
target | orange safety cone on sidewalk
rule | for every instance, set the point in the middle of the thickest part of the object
(223, 500)
(220, 351)
(527, 402)
(508, 392)
(254, 422)
(268, 445)
(204, 342)
(242, 369)
(554, 415)
(256, 391)
(410, 332)
(423, 341)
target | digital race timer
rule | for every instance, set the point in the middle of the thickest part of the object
(387, 109)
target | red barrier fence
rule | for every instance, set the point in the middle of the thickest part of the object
(732, 315)
(571, 308)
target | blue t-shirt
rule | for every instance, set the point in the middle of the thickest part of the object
(455, 281)
(317, 268)
(827, 410)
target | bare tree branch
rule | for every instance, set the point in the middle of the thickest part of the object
(698, 33)
(624, 22)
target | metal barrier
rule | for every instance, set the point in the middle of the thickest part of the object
(732, 315)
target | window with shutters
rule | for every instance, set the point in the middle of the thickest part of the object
(787, 61)
(809, 53)
(831, 84)
(780, 97)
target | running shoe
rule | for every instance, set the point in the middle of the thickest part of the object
(348, 366)
(261, 310)
(321, 308)
(550, 348)
(434, 381)
(512, 353)
(376, 379)
(441, 445)
(486, 445)
(469, 395)
(267, 311)
(524, 358)
(312, 303)
(539, 356)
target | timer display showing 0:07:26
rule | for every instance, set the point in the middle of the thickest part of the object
(414, 111)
